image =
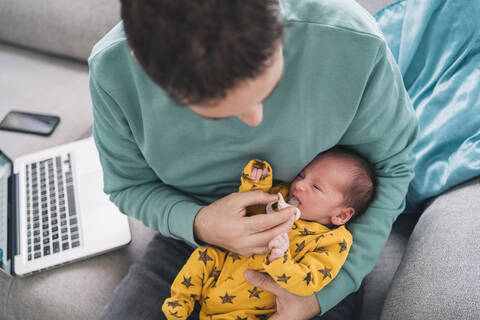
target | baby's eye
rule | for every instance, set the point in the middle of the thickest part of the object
(317, 188)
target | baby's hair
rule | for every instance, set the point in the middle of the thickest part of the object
(362, 188)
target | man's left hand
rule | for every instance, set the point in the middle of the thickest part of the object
(289, 306)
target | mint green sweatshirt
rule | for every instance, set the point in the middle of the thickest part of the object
(162, 163)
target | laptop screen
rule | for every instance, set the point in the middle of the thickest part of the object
(5, 172)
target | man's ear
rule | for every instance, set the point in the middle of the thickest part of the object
(342, 216)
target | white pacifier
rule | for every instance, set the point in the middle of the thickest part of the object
(280, 204)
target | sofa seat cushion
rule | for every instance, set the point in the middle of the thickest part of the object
(36, 82)
(439, 273)
(377, 283)
(76, 291)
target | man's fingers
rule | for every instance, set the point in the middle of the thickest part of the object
(262, 222)
(263, 281)
(260, 250)
(265, 237)
(250, 198)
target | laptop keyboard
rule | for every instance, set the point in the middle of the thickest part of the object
(52, 220)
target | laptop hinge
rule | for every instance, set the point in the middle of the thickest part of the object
(13, 225)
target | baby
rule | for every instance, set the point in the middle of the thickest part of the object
(332, 188)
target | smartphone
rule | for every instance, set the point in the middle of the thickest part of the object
(34, 123)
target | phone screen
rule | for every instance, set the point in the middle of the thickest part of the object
(29, 122)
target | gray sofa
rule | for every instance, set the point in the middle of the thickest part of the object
(43, 51)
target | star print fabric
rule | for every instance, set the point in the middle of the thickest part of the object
(214, 277)
(314, 258)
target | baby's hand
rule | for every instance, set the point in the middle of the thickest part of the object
(257, 174)
(279, 245)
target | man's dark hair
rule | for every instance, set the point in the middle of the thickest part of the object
(362, 189)
(198, 50)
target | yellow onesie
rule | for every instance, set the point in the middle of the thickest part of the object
(214, 276)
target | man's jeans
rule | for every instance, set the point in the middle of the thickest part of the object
(140, 295)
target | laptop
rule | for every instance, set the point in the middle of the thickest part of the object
(53, 209)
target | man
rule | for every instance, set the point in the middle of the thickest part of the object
(186, 92)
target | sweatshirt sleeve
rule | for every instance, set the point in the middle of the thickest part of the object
(384, 130)
(128, 179)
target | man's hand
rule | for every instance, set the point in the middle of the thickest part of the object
(223, 223)
(289, 306)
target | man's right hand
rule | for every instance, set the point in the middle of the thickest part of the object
(224, 223)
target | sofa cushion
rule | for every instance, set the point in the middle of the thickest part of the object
(63, 27)
(30, 81)
(438, 277)
(77, 291)
(5, 283)
(377, 283)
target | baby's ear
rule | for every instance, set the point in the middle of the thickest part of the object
(342, 216)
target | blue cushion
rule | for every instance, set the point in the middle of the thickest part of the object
(437, 46)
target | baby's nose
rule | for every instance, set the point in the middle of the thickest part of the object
(300, 186)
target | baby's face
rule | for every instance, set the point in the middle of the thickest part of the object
(318, 191)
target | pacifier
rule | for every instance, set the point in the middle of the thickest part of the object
(280, 204)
